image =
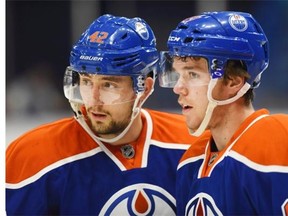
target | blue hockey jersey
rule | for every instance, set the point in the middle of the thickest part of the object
(248, 177)
(58, 169)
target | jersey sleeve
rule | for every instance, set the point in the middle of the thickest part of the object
(34, 178)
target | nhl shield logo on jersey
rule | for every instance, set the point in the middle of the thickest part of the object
(202, 204)
(140, 199)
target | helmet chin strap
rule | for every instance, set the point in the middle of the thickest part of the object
(76, 107)
(213, 103)
(135, 111)
(209, 110)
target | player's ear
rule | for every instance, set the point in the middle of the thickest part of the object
(235, 83)
(149, 85)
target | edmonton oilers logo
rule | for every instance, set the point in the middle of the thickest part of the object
(140, 199)
(202, 204)
(238, 22)
(142, 30)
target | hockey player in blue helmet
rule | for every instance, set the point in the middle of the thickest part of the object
(113, 157)
(218, 38)
(214, 61)
(115, 47)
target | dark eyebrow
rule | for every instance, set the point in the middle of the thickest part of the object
(186, 68)
(107, 78)
(113, 78)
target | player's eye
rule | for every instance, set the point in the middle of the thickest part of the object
(110, 86)
(193, 75)
(86, 82)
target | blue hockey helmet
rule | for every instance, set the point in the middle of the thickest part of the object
(223, 36)
(116, 46)
(111, 46)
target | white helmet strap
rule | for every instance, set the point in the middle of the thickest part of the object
(205, 121)
(239, 94)
(213, 103)
(135, 111)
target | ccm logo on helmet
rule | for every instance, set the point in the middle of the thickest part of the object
(91, 58)
(172, 38)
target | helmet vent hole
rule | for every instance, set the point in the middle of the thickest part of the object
(188, 40)
(124, 36)
(182, 27)
(200, 39)
(122, 61)
(196, 31)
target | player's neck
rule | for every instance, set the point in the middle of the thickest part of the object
(228, 120)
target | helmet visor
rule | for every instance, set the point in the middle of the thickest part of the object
(95, 89)
(172, 66)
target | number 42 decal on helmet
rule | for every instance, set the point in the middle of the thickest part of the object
(98, 37)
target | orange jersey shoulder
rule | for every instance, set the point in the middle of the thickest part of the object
(43, 146)
(198, 148)
(266, 141)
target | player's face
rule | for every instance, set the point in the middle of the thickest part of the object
(192, 88)
(108, 101)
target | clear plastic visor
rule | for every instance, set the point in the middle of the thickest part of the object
(95, 89)
(175, 70)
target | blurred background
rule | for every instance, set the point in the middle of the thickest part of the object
(39, 36)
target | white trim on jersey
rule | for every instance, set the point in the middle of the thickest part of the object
(102, 148)
(228, 150)
(190, 160)
(53, 166)
(148, 138)
(230, 153)
(82, 123)
(256, 166)
(110, 154)
(203, 163)
(283, 207)
(170, 145)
